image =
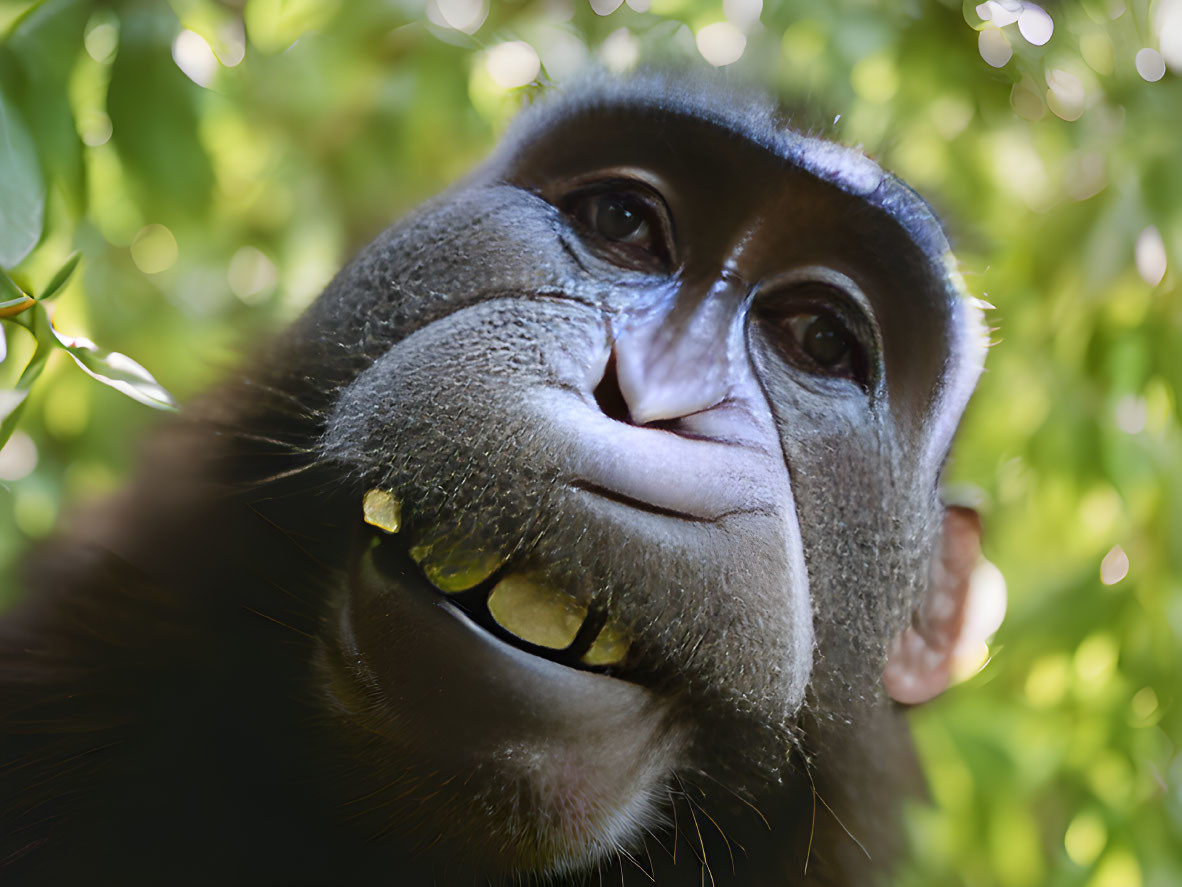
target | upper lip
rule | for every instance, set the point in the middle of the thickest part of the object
(653, 470)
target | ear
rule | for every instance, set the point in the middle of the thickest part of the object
(952, 622)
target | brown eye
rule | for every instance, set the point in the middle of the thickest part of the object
(618, 217)
(823, 339)
(815, 334)
(627, 221)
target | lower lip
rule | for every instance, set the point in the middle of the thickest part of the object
(434, 664)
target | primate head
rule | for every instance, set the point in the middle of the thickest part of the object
(625, 524)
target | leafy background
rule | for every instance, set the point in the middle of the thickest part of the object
(215, 162)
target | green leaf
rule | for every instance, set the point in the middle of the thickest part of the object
(22, 191)
(118, 371)
(13, 300)
(9, 291)
(12, 404)
(59, 281)
(47, 42)
(153, 114)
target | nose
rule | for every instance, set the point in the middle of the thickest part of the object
(678, 358)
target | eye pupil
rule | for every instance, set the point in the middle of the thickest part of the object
(616, 220)
(825, 342)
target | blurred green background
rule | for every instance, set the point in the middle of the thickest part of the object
(216, 162)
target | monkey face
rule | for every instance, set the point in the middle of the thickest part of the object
(648, 420)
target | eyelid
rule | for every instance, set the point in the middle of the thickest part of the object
(858, 311)
(851, 307)
(641, 184)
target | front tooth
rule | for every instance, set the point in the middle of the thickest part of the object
(539, 614)
(383, 510)
(456, 569)
(609, 647)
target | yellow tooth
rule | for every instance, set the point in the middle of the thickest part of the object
(383, 510)
(536, 613)
(609, 647)
(457, 569)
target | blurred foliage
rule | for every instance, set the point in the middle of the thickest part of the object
(215, 162)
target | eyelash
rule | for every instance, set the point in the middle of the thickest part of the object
(793, 316)
(587, 206)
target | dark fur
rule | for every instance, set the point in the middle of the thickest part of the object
(164, 711)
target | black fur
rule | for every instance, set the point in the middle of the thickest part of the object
(167, 710)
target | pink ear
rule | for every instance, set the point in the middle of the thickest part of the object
(921, 659)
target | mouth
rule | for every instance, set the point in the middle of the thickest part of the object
(505, 688)
(520, 610)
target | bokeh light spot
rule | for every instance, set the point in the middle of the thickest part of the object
(231, 48)
(1167, 20)
(1027, 101)
(1048, 680)
(251, 275)
(1095, 658)
(1066, 96)
(1130, 414)
(195, 57)
(1085, 838)
(620, 51)
(94, 128)
(951, 115)
(994, 47)
(101, 40)
(1150, 64)
(721, 44)
(562, 53)
(1035, 24)
(1000, 12)
(803, 42)
(154, 249)
(1118, 869)
(512, 64)
(34, 510)
(875, 78)
(743, 14)
(1115, 566)
(18, 457)
(605, 7)
(1097, 52)
(1144, 703)
(465, 16)
(1150, 254)
(1085, 174)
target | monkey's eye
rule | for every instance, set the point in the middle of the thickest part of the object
(823, 340)
(619, 218)
(628, 221)
(817, 337)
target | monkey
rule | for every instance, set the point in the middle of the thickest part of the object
(586, 530)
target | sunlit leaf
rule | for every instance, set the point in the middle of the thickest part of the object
(118, 371)
(61, 278)
(13, 307)
(8, 288)
(47, 41)
(13, 300)
(22, 192)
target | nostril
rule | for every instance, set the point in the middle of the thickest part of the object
(609, 396)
